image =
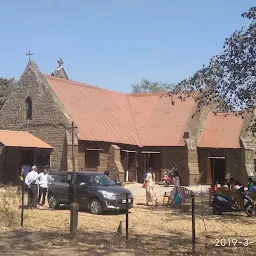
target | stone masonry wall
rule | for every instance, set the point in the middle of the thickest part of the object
(195, 127)
(176, 155)
(234, 164)
(48, 120)
(114, 163)
(248, 141)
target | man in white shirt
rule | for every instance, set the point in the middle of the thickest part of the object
(43, 185)
(31, 181)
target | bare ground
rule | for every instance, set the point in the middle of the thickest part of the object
(155, 231)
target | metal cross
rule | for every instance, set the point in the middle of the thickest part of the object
(29, 54)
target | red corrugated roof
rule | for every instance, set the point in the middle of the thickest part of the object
(221, 130)
(99, 114)
(21, 139)
(103, 115)
(159, 123)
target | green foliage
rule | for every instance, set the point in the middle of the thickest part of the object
(146, 86)
(230, 76)
(6, 86)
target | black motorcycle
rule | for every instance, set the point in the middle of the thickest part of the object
(224, 203)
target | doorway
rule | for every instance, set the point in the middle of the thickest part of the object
(216, 169)
(27, 157)
(154, 160)
(129, 163)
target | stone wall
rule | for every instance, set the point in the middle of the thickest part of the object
(176, 155)
(169, 156)
(114, 163)
(48, 123)
(195, 127)
(234, 163)
(248, 156)
(109, 157)
(248, 141)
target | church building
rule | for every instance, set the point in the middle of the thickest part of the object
(122, 133)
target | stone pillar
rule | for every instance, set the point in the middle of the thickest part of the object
(115, 167)
(103, 157)
(248, 157)
(193, 167)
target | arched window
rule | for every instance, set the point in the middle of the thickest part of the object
(28, 108)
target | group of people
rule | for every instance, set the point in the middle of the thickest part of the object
(36, 184)
(151, 195)
(231, 185)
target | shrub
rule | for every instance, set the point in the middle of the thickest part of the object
(9, 207)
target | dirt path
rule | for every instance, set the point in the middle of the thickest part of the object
(161, 231)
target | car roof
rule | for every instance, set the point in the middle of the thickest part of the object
(83, 173)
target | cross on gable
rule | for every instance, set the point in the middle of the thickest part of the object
(29, 54)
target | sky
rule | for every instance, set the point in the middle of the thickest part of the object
(115, 43)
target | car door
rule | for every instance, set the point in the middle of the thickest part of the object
(60, 187)
(82, 190)
(64, 187)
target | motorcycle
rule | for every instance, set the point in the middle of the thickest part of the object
(167, 180)
(224, 203)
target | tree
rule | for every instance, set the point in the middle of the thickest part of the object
(231, 76)
(146, 86)
(6, 86)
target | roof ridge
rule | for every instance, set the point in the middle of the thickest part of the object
(84, 84)
(228, 113)
(162, 93)
(3, 130)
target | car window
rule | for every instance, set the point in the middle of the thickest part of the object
(97, 180)
(52, 177)
(62, 178)
(69, 176)
(81, 179)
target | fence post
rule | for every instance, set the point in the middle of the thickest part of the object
(22, 204)
(74, 207)
(127, 220)
(193, 225)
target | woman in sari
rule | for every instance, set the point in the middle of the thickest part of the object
(151, 196)
(177, 192)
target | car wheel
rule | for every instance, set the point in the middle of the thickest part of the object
(250, 211)
(216, 211)
(53, 202)
(95, 207)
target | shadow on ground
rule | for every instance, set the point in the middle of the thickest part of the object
(23, 242)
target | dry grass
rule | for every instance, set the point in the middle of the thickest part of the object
(161, 231)
(9, 207)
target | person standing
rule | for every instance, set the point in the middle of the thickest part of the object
(150, 187)
(31, 182)
(176, 192)
(23, 174)
(43, 185)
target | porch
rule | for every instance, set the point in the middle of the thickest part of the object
(21, 148)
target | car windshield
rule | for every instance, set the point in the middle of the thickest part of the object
(97, 180)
